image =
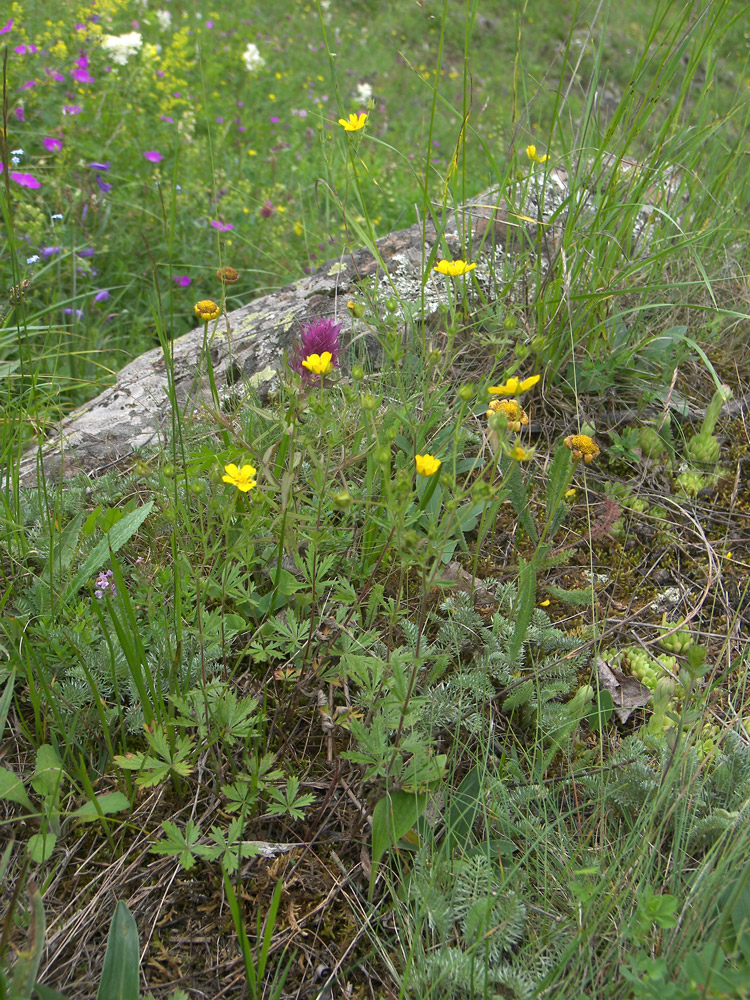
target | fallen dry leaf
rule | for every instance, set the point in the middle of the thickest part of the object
(627, 692)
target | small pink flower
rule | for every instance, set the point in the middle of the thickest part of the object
(153, 156)
(24, 180)
(223, 227)
(52, 145)
(182, 280)
(28, 85)
(6, 27)
(18, 112)
(72, 109)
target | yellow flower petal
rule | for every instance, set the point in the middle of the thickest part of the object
(427, 465)
(354, 123)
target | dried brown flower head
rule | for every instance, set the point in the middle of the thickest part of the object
(227, 275)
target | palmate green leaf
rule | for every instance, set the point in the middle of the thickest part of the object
(393, 816)
(179, 844)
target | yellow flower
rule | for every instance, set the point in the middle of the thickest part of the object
(206, 310)
(515, 416)
(519, 454)
(355, 123)
(514, 386)
(545, 604)
(427, 465)
(534, 156)
(241, 478)
(583, 447)
(319, 364)
(569, 494)
(297, 228)
(453, 268)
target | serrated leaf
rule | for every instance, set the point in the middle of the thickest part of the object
(118, 535)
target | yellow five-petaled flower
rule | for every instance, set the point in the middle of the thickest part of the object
(319, 364)
(534, 156)
(206, 310)
(514, 386)
(241, 478)
(453, 268)
(354, 123)
(427, 465)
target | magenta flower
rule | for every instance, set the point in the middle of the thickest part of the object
(316, 338)
(19, 113)
(28, 85)
(267, 209)
(81, 76)
(72, 109)
(55, 75)
(223, 227)
(24, 180)
(22, 50)
(52, 145)
(182, 280)
(6, 27)
(153, 156)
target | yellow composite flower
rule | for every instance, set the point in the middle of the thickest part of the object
(427, 465)
(514, 386)
(355, 122)
(583, 447)
(511, 408)
(519, 454)
(206, 310)
(319, 364)
(241, 478)
(534, 156)
(453, 268)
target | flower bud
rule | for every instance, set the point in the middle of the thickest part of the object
(358, 373)
(383, 454)
(343, 500)
(466, 392)
(369, 402)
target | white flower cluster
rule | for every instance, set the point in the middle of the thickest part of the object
(363, 92)
(121, 47)
(164, 17)
(252, 58)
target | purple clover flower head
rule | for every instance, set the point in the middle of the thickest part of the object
(105, 585)
(267, 209)
(52, 145)
(153, 156)
(316, 338)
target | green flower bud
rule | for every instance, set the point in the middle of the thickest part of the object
(369, 402)
(391, 304)
(343, 500)
(169, 470)
(466, 392)
(358, 373)
(509, 323)
(383, 455)
(521, 351)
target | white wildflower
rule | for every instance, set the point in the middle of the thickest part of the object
(33, 260)
(252, 58)
(121, 47)
(164, 18)
(363, 93)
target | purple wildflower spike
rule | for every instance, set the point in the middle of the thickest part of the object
(316, 338)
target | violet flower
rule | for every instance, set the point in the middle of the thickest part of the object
(153, 156)
(223, 227)
(182, 280)
(105, 585)
(52, 145)
(316, 338)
